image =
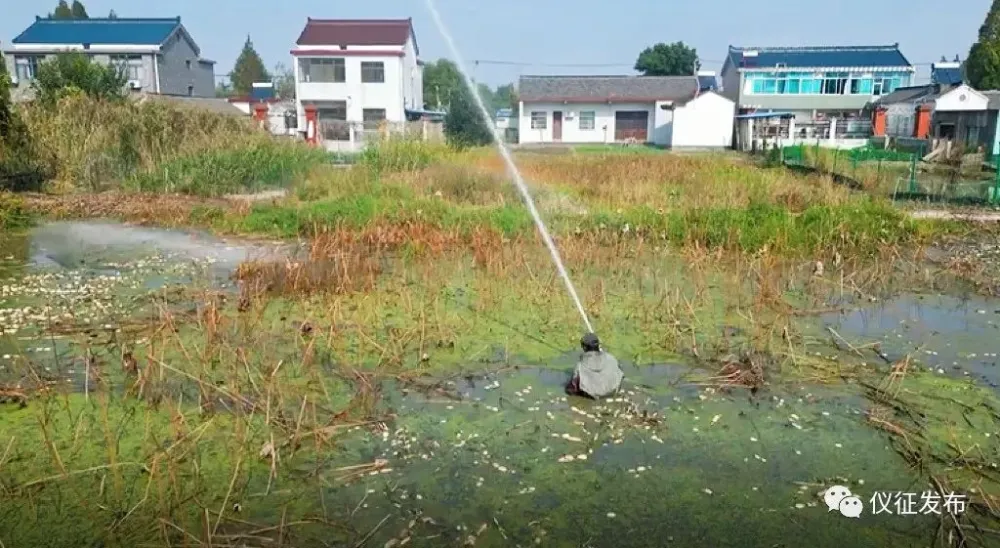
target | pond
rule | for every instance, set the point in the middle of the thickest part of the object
(501, 458)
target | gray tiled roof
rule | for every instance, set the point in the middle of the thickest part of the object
(211, 104)
(607, 88)
(911, 94)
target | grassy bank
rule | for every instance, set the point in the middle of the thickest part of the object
(89, 145)
(684, 201)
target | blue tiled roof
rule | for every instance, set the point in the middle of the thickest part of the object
(262, 93)
(820, 57)
(947, 76)
(151, 32)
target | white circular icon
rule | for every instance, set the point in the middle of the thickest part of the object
(851, 507)
(834, 495)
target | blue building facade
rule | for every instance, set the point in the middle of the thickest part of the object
(813, 82)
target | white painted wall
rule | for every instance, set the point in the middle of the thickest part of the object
(402, 89)
(604, 122)
(962, 98)
(704, 122)
(663, 124)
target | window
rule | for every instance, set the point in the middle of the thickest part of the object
(587, 119)
(130, 65)
(188, 62)
(861, 85)
(332, 119)
(372, 72)
(26, 67)
(835, 83)
(324, 70)
(372, 117)
(538, 120)
(888, 82)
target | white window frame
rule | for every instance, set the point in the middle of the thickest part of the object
(539, 119)
(591, 120)
(372, 68)
(334, 63)
(130, 64)
(26, 67)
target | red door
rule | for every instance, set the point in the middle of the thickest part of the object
(557, 126)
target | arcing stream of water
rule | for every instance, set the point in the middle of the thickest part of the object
(511, 166)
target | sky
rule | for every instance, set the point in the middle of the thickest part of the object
(522, 37)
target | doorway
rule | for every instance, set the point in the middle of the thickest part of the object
(631, 125)
(557, 126)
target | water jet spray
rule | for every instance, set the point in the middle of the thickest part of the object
(509, 161)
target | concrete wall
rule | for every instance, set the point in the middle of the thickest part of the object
(412, 76)
(179, 68)
(805, 102)
(730, 81)
(604, 122)
(961, 99)
(664, 119)
(705, 122)
(899, 119)
(147, 76)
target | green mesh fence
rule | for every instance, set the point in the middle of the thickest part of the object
(898, 175)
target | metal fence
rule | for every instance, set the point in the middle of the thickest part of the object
(899, 175)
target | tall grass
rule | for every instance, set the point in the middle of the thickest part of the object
(14, 213)
(94, 145)
(402, 154)
(252, 165)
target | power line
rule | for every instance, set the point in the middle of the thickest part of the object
(609, 65)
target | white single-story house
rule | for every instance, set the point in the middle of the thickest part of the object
(669, 111)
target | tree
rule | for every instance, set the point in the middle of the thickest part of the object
(284, 81)
(16, 151)
(78, 11)
(62, 11)
(75, 72)
(983, 64)
(223, 90)
(504, 97)
(664, 59)
(5, 103)
(249, 68)
(464, 125)
(442, 81)
(486, 94)
(112, 15)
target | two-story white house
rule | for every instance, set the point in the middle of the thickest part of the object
(351, 76)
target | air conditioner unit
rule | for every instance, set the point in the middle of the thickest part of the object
(571, 114)
(134, 84)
